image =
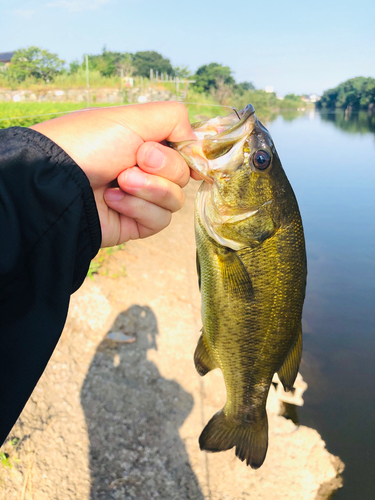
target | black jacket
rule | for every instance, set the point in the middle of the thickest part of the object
(49, 232)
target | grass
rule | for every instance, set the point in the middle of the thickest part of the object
(103, 264)
(9, 457)
(204, 106)
(25, 114)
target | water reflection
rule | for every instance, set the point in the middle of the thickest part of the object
(289, 115)
(361, 122)
(330, 161)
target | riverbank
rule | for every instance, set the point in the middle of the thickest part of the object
(25, 107)
(121, 419)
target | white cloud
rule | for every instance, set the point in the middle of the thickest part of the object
(25, 13)
(78, 5)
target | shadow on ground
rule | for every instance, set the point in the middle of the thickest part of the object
(133, 415)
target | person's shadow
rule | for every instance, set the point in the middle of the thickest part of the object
(133, 415)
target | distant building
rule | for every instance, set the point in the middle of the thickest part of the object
(5, 58)
(314, 98)
(269, 89)
(311, 98)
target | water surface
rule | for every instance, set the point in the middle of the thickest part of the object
(330, 162)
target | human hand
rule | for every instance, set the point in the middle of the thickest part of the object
(124, 143)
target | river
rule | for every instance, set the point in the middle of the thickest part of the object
(330, 162)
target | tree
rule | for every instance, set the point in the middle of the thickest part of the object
(245, 86)
(182, 71)
(144, 61)
(35, 62)
(74, 66)
(222, 91)
(109, 63)
(125, 65)
(354, 93)
(211, 76)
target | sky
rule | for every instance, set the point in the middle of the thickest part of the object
(295, 46)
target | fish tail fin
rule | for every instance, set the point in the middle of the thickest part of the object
(251, 440)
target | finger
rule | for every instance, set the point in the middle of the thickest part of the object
(195, 176)
(157, 121)
(155, 158)
(150, 218)
(152, 188)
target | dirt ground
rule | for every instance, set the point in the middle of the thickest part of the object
(121, 420)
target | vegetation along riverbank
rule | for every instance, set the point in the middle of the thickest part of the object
(36, 82)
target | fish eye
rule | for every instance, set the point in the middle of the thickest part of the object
(261, 159)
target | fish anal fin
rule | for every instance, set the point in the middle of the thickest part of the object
(250, 439)
(202, 358)
(289, 370)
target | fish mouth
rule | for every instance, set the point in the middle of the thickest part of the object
(219, 143)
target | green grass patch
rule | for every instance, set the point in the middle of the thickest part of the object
(200, 107)
(108, 263)
(25, 114)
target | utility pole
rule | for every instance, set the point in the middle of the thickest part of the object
(87, 80)
(151, 74)
(121, 83)
(177, 86)
(122, 78)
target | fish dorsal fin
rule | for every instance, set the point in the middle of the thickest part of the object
(289, 370)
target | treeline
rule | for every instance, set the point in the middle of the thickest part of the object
(212, 84)
(43, 66)
(34, 64)
(356, 93)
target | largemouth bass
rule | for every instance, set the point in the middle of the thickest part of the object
(251, 264)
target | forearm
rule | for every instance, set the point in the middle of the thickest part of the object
(49, 232)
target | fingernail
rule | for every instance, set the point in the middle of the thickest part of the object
(154, 158)
(114, 194)
(134, 177)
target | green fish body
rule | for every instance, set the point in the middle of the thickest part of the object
(251, 264)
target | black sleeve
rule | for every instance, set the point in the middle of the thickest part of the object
(49, 232)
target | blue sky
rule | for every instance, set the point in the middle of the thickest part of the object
(295, 46)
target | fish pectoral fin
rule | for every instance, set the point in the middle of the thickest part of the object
(235, 275)
(250, 439)
(202, 358)
(289, 370)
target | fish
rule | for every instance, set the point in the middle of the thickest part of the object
(251, 263)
